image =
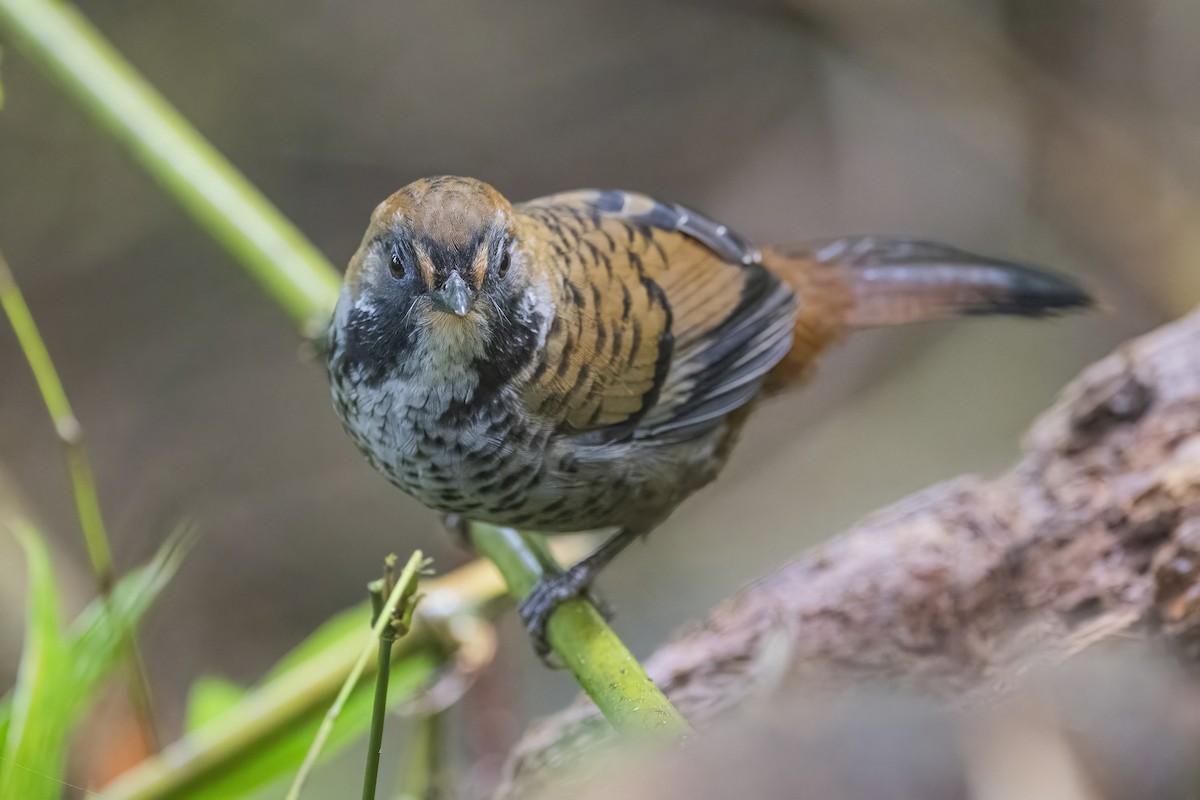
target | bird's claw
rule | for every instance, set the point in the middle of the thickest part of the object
(546, 596)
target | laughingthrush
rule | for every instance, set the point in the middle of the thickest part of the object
(586, 360)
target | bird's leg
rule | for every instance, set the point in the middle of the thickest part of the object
(459, 528)
(550, 592)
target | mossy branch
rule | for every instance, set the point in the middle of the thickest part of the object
(223, 202)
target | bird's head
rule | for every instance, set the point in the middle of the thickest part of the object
(440, 273)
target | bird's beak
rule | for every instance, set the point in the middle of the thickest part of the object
(454, 295)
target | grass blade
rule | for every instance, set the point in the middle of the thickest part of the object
(61, 670)
(209, 698)
(5, 716)
(98, 634)
(34, 756)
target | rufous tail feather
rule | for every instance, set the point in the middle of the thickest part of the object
(874, 281)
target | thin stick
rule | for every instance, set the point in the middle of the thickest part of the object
(406, 584)
(83, 484)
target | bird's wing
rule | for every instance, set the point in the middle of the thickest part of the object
(667, 320)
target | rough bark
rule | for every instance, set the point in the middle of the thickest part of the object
(1094, 533)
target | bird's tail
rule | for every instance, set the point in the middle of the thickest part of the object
(873, 281)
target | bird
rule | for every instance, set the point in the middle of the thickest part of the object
(585, 361)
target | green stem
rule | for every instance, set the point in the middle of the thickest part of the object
(378, 716)
(61, 41)
(83, 483)
(404, 587)
(580, 637)
(65, 425)
(271, 712)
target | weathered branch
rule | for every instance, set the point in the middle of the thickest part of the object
(1094, 532)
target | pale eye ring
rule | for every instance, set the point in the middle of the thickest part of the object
(396, 264)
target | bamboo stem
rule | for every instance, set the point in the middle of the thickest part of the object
(83, 486)
(66, 426)
(219, 198)
(378, 716)
(404, 588)
(580, 637)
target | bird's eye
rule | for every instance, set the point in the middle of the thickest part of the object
(505, 258)
(396, 264)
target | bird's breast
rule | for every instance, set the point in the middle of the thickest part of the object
(461, 443)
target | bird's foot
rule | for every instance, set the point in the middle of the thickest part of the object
(547, 595)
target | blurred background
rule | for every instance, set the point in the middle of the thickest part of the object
(1061, 133)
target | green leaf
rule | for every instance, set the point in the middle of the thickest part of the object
(281, 755)
(1, 109)
(209, 698)
(346, 632)
(5, 716)
(340, 637)
(60, 672)
(99, 631)
(253, 755)
(343, 630)
(34, 753)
